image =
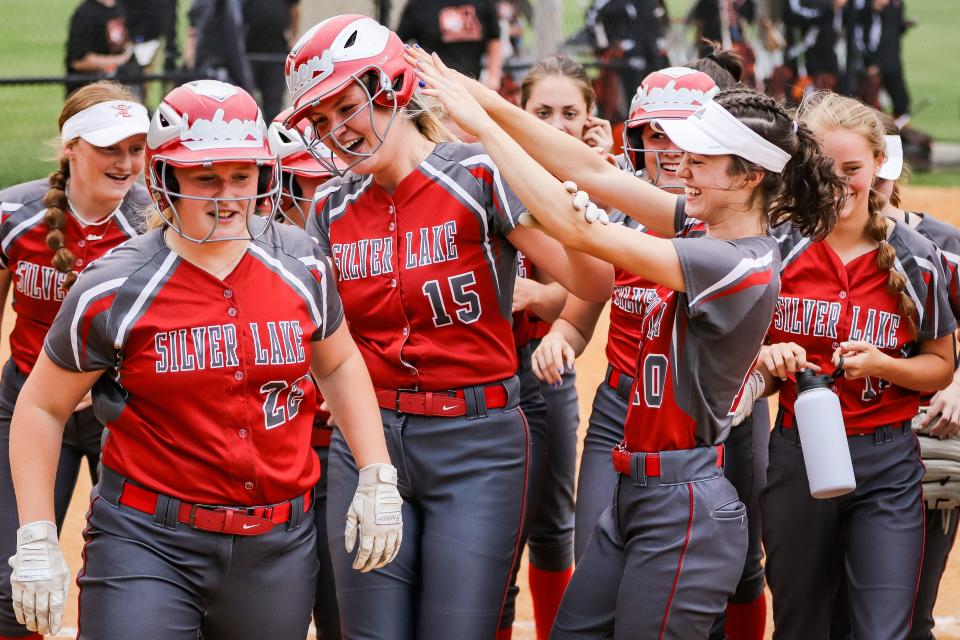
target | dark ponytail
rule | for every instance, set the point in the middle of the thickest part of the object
(723, 65)
(807, 193)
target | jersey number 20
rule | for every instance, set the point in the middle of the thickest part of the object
(466, 300)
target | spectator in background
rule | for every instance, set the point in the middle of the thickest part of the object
(813, 28)
(882, 27)
(727, 28)
(154, 20)
(271, 26)
(625, 35)
(459, 32)
(214, 48)
(98, 43)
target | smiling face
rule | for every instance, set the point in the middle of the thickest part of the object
(559, 101)
(855, 162)
(661, 158)
(220, 197)
(106, 174)
(355, 127)
(709, 186)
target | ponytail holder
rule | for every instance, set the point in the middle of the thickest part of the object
(795, 126)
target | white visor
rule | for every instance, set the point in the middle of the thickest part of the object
(713, 131)
(107, 123)
(892, 165)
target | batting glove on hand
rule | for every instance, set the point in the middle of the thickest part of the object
(40, 578)
(753, 388)
(374, 516)
(582, 202)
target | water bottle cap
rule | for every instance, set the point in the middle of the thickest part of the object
(807, 380)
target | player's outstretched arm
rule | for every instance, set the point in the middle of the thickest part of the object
(559, 153)
(374, 516)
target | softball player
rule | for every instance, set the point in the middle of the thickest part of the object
(873, 293)
(223, 313)
(672, 507)
(422, 232)
(938, 420)
(668, 93)
(50, 230)
(556, 90)
(300, 177)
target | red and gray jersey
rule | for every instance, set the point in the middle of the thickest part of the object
(946, 238)
(426, 272)
(37, 285)
(631, 296)
(206, 391)
(824, 302)
(527, 325)
(698, 346)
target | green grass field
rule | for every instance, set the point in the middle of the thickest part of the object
(33, 33)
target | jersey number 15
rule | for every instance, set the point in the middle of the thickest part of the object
(465, 300)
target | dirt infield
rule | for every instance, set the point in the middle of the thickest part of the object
(945, 203)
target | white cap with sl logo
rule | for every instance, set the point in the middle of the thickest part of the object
(714, 131)
(107, 123)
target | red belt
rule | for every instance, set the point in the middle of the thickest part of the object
(237, 521)
(614, 378)
(621, 462)
(321, 436)
(438, 403)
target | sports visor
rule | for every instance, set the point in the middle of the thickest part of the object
(892, 165)
(107, 123)
(713, 131)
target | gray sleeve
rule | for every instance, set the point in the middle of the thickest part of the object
(79, 338)
(318, 225)
(730, 285)
(503, 205)
(330, 297)
(937, 318)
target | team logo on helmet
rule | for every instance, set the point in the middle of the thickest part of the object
(218, 133)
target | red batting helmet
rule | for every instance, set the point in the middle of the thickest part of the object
(338, 52)
(202, 123)
(674, 92)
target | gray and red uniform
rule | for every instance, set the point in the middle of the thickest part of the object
(426, 275)
(37, 296)
(667, 554)
(876, 532)
(744, 449)
(208, 399)
(940, 526)
(326, 616)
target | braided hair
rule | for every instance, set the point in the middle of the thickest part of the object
(55, 200)
(828, 111)
(807, 193)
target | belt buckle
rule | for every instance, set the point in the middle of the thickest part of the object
(204, 507)
(396, 399)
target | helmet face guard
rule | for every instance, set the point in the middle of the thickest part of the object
(634, 154)
(320, 147)
(294, 206)
(167, 192)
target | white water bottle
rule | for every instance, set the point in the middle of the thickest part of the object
(823, 437)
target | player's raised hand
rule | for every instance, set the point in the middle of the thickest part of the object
(784, 358)
(374, 517)
(552, 358)
(448, 87)
(598, 133)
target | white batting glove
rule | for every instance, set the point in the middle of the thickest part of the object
(40, 578)
(753, 388)
(582, 202)
(374, 516)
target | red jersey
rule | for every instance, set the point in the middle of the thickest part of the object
(37, 285)
(631, 296)
(824, 302)
(206, 391)
(699, 346)
(426, 273)
(946, 238)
